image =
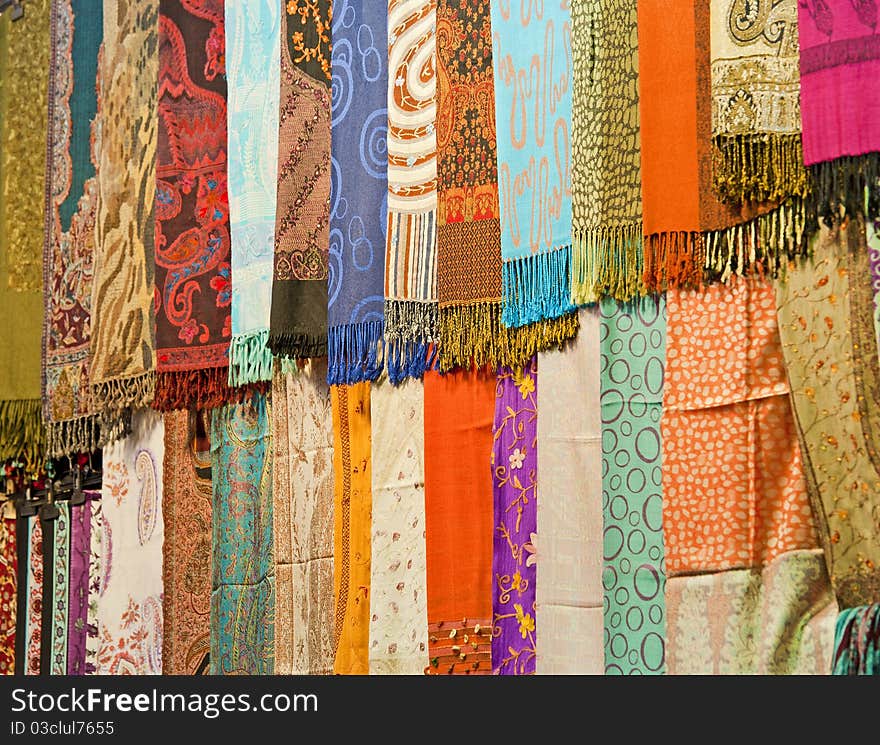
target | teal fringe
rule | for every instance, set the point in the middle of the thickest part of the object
(536, 288)
(354, 352)
(857, 641)
(250, 359)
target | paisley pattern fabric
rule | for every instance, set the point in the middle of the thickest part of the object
(243, 577)
(857, 641)
(515, 490)
(193, 270)
(24, 58)
(633, 349)
(570, 596)
(411, 249)
(303, 520)
(186, 553)
(825, 321)
(8, 592)
(771, 620)
(302, 215)
(130, 601)
(253, 70)
(358, 190)
(122, 349)
(398, 590)
(69, 246)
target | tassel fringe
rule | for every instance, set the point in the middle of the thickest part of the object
(297, 346)
(857, 641)
(72, 436)
(125, 393)
(761, 246)
(250, 359)
(536, 287)
(21, 431)
(759, 167)
(354, 353)
(474, 336)
(192, 389)
(607, 261)
(411, 334)
(840, 184)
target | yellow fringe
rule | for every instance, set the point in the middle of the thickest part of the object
(22, 435)
(759, 167)
(473, 336)
(607, 261)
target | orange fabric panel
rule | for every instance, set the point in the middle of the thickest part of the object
(459, 409)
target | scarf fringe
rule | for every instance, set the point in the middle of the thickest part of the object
(22, 435)
(250, 359)
(607, 261)
(118, 394)
(682, 260)
(354, 352)
(411, 320)
(297, 345)
(841, 184)
(759, 167)
(192, 389)
(473, 336)
(114, 426)
(536, 287)
(857, 641)
(73, 436)
(409, 359)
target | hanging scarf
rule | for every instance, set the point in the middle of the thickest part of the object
(469, 273)
(534, 158)
(756, 119)
(825, 321)
(411, 249)
(8, 592)
(872, 239)
(734, 495)
(515, 491)
(857, 641)
(60, 591)
(358, 191)
(839, 66)
(24, 60)
(691, 237)
(459, 521)
(193, 282)
(33, 620)
(633, 347)
(569, 595)
(606, 149)
(80, 541)
(298, 325)
(352, 520)
(130, 602)
(303, 520)
(186, 553)
(253, 77)
(69, 247)
(122, 349)
(243, 581)
(96, 579)
(398, 594)
(772, 620)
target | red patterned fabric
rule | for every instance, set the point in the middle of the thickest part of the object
(8, 589)
(193, 273)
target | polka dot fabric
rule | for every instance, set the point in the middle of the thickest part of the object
(733, 484)
(632, 344)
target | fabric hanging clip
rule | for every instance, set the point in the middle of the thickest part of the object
(49, 511)
(27, 508)
(78, 497)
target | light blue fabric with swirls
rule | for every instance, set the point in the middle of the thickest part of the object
(358, 189)
(253, 70)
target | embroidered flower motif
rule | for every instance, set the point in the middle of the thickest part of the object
(524, 382)
(531, 548)
(516, 459)
(212, 200)
(188, 331)
(525, 621)
(222, 283)
(516, 583)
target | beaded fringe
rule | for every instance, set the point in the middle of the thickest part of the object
(536, 287)
(759, 167)
(607, 261)
(473, 336)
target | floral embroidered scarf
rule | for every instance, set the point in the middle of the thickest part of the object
(69, 248)
(77, 624)
(193, 270)
(298, 325)
(8, 592)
